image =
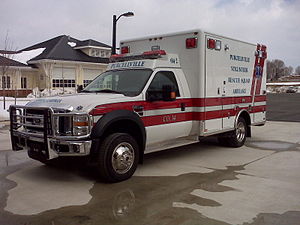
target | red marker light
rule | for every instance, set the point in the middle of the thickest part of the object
(156, 52)
(211, 43)
(125, 50)
(191, 43)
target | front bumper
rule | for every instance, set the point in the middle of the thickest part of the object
(51, 148)
(40, 139)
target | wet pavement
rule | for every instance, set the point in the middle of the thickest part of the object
(203, 183)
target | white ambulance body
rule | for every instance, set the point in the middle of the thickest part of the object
(221, 79)
(161, 92)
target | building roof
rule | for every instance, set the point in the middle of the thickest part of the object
(10, 62)
(91, 42)
(62, 48)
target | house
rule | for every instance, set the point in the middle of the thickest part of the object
(63, 62)
(18, 78)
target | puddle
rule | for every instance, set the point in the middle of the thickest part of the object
(273, 145)
(139, 200)
(149, 200)
(287, 218)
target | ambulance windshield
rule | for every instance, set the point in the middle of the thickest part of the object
(127, 82)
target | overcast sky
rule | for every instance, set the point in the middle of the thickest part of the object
(271, 22)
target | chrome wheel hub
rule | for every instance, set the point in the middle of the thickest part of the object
(240, 132)
(122, 158)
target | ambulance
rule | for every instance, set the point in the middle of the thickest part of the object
(161, 92)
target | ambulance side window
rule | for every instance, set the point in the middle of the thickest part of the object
(163, 78)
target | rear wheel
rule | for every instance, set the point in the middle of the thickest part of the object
(118, 157)
(237, 137)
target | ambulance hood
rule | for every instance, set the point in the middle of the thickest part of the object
(82, 102)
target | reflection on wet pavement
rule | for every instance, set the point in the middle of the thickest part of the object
(55, 188)
(192, 198)
(287, 218)
(208, 184)
(140, 200)
(273, 145)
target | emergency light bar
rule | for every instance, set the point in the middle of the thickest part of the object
(136, 56)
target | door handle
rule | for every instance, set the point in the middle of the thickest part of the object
(182, 106)
(139, 109)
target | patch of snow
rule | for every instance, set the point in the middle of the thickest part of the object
(4, 114)
(57, 91)
(284, 84)
(281, 89)
(25, 56)
(72, 44)
(36, 93)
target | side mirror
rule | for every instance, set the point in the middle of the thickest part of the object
(168, 93)
(79, 88)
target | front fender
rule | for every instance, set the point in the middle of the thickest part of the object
(104, 123)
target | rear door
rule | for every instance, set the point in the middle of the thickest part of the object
(215, 89)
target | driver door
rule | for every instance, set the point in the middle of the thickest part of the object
(166, 121)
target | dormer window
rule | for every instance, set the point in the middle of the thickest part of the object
(100, 53)
(95, 52)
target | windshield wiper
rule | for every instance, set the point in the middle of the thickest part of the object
(108, 91)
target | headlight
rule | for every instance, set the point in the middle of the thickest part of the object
(81, 125)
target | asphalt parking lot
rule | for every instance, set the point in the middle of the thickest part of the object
(202, 183)
(283, 107)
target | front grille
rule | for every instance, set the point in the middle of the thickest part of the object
(35, 122)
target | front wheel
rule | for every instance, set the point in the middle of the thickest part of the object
(118, 157)
(237, 137)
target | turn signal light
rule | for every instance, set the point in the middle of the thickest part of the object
(80, 124)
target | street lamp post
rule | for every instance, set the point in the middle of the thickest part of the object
(115, 20)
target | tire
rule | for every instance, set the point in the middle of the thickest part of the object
(114, 151)
(237, 137)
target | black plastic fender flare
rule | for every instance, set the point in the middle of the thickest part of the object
(117, 115)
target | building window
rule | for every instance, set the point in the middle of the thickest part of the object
(103, 54)
(100, 53)
(95, 52)
(5, 81)
(24, 82)
(56, 83)
(86, 82)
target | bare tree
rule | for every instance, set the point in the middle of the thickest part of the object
(7, 53)
(270, 70)
(276, 69)
(297, 70)
(290, 70)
